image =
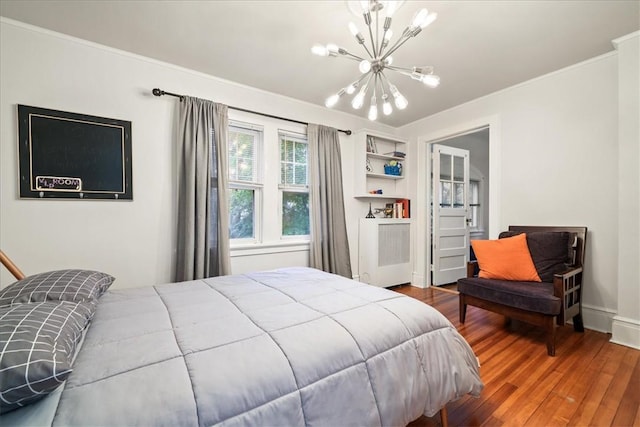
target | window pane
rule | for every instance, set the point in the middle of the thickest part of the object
(445, 194)
(295, 213)
(459, 195)
(242, 207)
(293, 160)
(301, 153)
(243, 145)
(445, 167)
(300, 175)
(458, 168)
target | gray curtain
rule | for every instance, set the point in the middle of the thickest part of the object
(203, 200)
(329, 243)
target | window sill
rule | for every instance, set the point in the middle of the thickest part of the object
(269, 248)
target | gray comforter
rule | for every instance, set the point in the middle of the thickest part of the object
(285, 347)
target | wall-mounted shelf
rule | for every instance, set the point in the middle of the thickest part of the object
(383, 176)
(373, 151)
(378, 196)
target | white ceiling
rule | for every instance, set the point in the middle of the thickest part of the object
(477, 47)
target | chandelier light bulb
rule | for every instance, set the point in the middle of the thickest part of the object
(401, 102)
(419, 18)
(432, 17)
(373, 109)
(354, 29)
(332, 100)
(319, 50)
(365, 66)
(431, 80)
(388, 60)
(387, 109)
(358, 100)
(390, 7)
(350, 89)
(399, 99)
(388, 35)
(332, 49)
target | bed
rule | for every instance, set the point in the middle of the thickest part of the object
(293, 346)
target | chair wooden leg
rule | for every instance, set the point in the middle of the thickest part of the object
(577, 323)
(444, 417)
(463, 308)
(551, 335)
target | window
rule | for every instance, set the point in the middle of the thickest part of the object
(245, 186)
(294, 178)
(268, 185)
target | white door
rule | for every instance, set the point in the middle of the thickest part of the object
(450, 229)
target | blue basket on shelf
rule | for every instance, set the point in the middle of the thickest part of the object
(392, 170)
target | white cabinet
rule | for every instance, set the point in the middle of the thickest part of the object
(372, 152)
(384, 251)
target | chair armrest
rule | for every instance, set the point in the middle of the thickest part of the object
(568, 273)
(472, 266)
(566, 281)
(567, 286)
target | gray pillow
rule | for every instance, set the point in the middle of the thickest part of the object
(37, 346)
(60, 285)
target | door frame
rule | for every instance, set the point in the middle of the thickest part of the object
(424, 187)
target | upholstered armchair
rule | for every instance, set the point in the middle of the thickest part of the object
(551, 292)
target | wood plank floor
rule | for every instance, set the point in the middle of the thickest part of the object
(590, 382)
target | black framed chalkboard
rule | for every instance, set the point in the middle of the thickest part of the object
(73, 156)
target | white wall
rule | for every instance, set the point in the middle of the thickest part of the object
(557, 163)
(134, 241)
(626, 323)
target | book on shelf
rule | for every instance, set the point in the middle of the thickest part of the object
(371, 145)
(401, 208)
(405, 208)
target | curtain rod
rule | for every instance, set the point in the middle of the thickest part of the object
(160, 92)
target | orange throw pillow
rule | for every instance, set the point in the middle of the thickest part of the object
(505, 259)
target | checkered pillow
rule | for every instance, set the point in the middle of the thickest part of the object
(60, 285)
(37, 346)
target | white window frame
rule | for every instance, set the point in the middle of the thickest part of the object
(257, 186)
(269, 215)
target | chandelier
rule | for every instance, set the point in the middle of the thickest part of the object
(379, 50)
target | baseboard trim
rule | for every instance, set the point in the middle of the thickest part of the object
(597, 318)
(625, 331)
(418, 281)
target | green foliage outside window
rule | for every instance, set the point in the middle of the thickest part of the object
(241, 213)
(295, 213)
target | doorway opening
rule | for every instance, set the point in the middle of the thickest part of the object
(459, 203)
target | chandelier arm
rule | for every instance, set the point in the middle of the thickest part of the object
(373, 46)
(354, 58)
(367, 49)
(384, 34)
(399, 69)
(395, 47)
(375, 50)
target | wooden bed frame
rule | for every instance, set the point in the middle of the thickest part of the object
(9, 265)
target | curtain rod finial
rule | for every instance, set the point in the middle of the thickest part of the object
(157, 92)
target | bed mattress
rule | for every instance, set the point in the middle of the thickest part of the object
(293, 346)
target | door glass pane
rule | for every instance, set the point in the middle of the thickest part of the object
(458, 168)
(445, 166)
(459, 195)
(242, 207)
(445, 194)
(295, 213)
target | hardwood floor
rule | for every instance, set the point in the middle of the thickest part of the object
(590, 382)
